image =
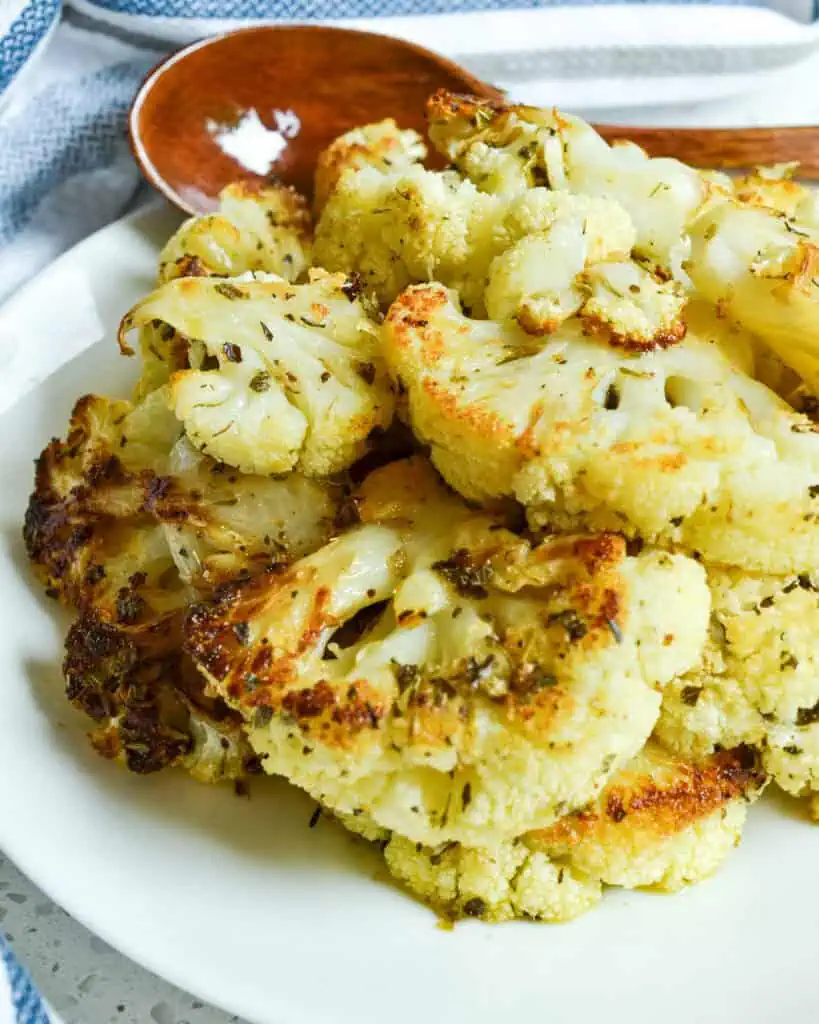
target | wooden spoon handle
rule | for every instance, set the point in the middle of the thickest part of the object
(727, 147)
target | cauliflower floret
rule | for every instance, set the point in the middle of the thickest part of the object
(383, 146)
(661, 822)
(676, 446)
(633, 308)
(412, 225)
(420, 225)
(259, 227)
(495, 684)
(500, 884)
(285, 376)
(508, 149)
(758, 683)
(147, 702)
(761, 269)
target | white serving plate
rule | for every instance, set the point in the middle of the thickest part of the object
(239, 901)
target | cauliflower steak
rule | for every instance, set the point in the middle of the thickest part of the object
(676, 446)
(445, 677)
(280, 377)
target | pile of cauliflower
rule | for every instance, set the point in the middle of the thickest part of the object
(481, 504)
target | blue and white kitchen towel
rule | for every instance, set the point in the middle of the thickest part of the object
(20, 1002)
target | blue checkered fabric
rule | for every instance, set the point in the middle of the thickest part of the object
(26, 1005)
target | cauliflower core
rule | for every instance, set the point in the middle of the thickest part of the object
(674, 446)
(282, 376)
(661, 822)
(758, 682)
(258, 227)
(443, 676)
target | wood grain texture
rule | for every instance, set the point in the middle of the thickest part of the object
(727, 148)
(331, 79)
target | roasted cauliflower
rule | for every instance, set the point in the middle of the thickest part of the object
(573, 659)
(675, 446)
(758, 683)
(281, 377)
(532, 256)
(258, 227)
(661, 822)
(444, 676)
(760, 266)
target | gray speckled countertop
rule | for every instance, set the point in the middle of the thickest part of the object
(82, 977)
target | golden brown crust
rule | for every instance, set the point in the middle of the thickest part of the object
(444, 106)
(662, 802)
(260, 679)
(409, 320)
(629, 343)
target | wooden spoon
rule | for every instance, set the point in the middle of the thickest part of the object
(267, 100)
(276, 96)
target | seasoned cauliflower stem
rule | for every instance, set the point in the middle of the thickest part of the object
(128, 524)
(675, 446)
(281, 377)
(661, 822)
(264, 227)
(443, 676)
(758, 683)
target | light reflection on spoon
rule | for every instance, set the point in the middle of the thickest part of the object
(250, 143)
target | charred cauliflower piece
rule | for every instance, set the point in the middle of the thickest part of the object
(661, 822)
(507, 149)
(443, 676)
(760, 266)
(676, 446)
(382, 146)
(758, 682)
(259, 227)
(283, 377)
(147, 700)
(125, 495)
(128, 524)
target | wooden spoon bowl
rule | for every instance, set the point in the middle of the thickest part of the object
(267, 100)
